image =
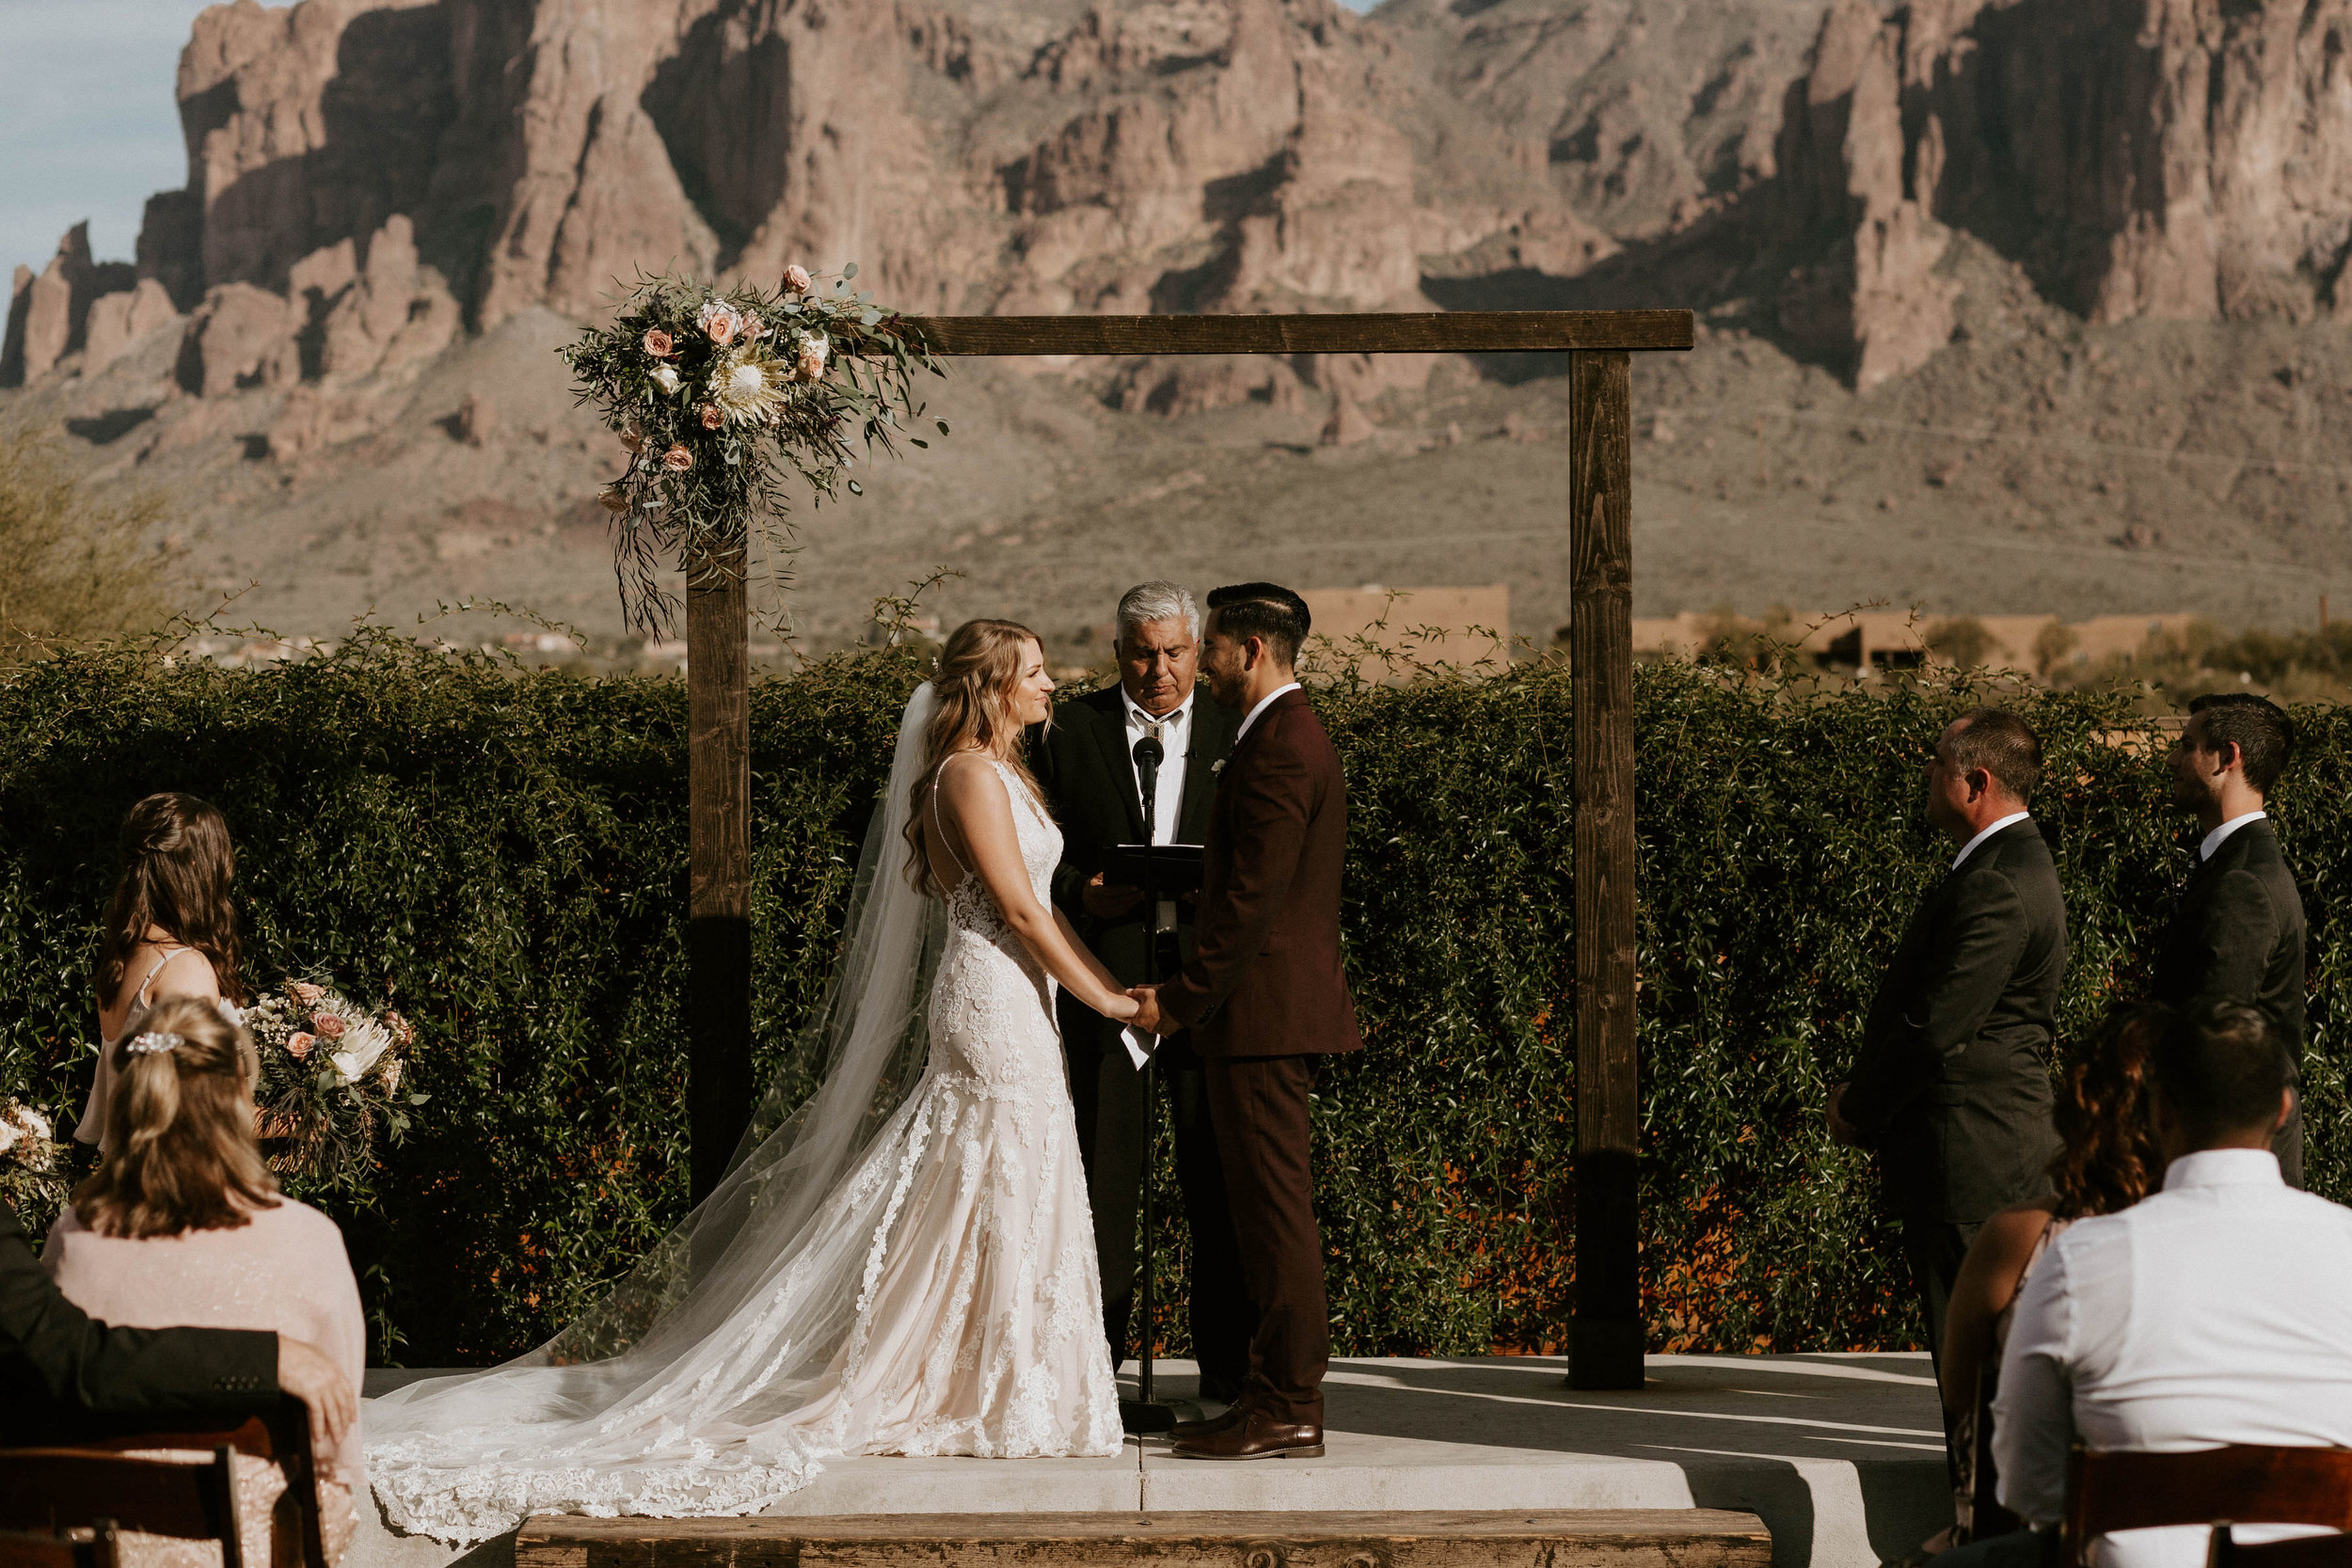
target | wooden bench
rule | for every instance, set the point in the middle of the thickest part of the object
(1591, 1537)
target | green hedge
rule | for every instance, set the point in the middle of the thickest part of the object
(503, 854)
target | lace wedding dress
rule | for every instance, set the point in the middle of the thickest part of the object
(890, 1271)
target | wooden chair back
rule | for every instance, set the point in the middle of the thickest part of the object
(280, 1434)
(2242, 1483)
(57, 1490)
(2302, 1551)
(83, 1548)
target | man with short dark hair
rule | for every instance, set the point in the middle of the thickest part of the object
(2216, 1310)
(2238, 933)
(1951, 1085)
(1265, 993)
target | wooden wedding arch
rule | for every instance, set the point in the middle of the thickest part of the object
(1605, 1337)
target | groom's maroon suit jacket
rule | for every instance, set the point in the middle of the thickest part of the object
(1265, 978)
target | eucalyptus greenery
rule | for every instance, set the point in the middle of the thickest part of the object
(716, 393)
(504, 854)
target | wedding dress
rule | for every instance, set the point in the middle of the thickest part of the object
(897, 1269)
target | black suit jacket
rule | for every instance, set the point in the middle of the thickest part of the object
(2239, 933)
(57, 1365)
(1952, 1084)
(1085, 766)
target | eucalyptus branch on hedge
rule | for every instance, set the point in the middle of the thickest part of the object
(716, 394)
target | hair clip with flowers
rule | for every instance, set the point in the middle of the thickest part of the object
(152, 1041)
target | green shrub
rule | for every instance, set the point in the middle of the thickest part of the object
(505, 856)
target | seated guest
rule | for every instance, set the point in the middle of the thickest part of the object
(59, 1368)
(2218, 1310)
(169, 930)
(2105, 1161)
(183, 1198)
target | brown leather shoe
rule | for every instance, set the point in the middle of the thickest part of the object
(1234, 1415)
(1255, 1436)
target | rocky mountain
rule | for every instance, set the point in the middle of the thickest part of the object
(387, 197)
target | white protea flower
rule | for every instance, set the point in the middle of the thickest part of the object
(362, 1044)
(748, 388)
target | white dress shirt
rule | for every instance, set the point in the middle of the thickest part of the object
(1264, 703)
(1970, 847)
(1168, 796)
(2218, 1311)
(2212, 840)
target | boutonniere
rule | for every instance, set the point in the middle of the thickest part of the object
(1217, 767)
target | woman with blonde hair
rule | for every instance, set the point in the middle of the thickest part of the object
(904, 1262)
(183, 1224)
(169, 930)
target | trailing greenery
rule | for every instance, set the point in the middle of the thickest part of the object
(502, 856)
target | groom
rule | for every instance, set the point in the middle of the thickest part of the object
(1264, 995)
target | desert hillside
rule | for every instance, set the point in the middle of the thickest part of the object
(2007, 305)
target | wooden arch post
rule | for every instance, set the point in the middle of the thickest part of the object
(1605, 1343)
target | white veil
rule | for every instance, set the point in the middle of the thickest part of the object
(759, 1270)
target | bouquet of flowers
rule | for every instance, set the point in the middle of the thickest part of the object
(33, 1169)
(710, 392)
(330, 1076)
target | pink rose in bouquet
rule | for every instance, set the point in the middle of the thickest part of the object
(658, 344)
(305, 993)
(677, 460)
(327, 1024)
(797, 279)
(298, 1045)
(711, 418)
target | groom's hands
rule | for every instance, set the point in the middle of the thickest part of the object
(1149, 1018)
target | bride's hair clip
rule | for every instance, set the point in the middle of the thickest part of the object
(152, 1041)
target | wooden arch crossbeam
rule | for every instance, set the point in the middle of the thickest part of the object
(1606, 1338)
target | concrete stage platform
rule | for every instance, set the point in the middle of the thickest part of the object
(1841, 1456)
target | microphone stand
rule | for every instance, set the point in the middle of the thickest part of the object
(1144, 1412)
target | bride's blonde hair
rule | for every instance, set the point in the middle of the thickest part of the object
(978, 671)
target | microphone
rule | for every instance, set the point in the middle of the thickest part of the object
(1148, 755)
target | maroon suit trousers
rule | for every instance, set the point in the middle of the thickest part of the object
(1259, 1107)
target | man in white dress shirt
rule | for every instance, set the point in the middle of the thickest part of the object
(2218, 1310)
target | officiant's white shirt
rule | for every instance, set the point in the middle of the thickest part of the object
(1167, 799)
(2218, 1310)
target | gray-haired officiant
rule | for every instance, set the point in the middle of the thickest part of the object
(1086, 764)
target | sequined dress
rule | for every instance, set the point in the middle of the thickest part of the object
(975, 1326)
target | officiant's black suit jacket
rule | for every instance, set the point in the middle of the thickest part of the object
(58, 1366)
(2238, 935)
(1952, 1084)
(1083, 764)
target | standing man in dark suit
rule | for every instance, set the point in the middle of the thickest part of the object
(1085, 764)
(2238, 933)
(60, 1367)
(1264, 994)
(1952, 1084)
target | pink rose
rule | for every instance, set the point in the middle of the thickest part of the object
(305, 993)
(327, 1024)
(677, 460)
(810, 366)
(712, 419)
(796, 279)
(298, 1046)
(658, 344)
(402, 1031)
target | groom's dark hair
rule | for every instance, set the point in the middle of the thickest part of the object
(1265, 611)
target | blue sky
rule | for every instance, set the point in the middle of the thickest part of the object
(88, 125)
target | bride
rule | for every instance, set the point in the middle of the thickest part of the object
(903, 1265)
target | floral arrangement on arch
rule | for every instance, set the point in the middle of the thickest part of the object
(714, 394)
(330, 1077)
(32, 1164)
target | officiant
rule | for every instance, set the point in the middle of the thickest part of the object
(1086, 764)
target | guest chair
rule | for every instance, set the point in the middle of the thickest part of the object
(81, 1548)
(280, 1434)
(2303, 1551)
(2116, 1490)
(60, 1490)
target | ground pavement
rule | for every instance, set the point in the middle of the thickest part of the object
(1840, 1456)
